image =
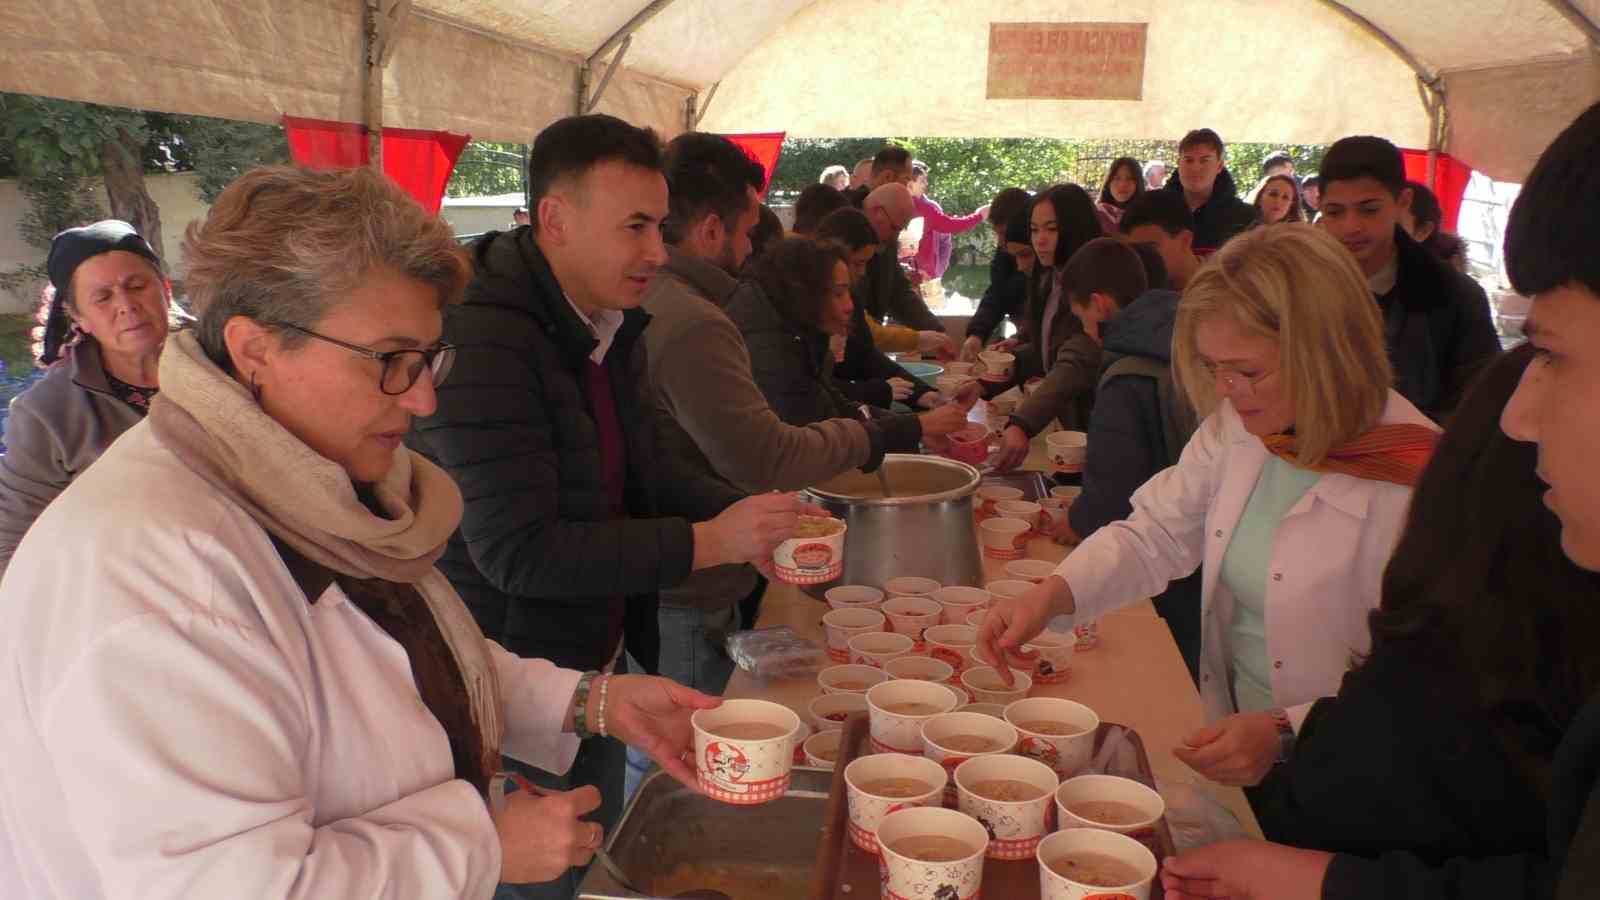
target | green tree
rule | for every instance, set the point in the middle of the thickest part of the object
(486, 168)
(216, 150)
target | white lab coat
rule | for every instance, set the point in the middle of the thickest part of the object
(179, 722)
(1326, 567)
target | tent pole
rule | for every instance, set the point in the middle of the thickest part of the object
(1579, 21)
(700, 113)
(382, 21)
(618, 42)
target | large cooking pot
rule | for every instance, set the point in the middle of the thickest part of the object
(925, 528)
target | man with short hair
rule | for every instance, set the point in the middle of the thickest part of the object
(861, 175)
(1279, 162)
(1311, 196)
(713, 415)
(1436, 320)
(891, 165)
(1162, 220)
(885, 291)
(1007, 288)
(1206, 185)
(563, 544)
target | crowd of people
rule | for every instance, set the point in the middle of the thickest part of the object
(389, 567)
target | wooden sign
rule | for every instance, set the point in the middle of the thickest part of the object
(1066, 60)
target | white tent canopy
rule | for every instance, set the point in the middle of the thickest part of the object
(1502, 76)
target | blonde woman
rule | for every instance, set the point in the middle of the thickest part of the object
(1291, 495)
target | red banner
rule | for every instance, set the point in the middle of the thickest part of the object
(1450, 182)
(764, 149)
(419, 161)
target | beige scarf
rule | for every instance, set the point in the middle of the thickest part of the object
(211, 422)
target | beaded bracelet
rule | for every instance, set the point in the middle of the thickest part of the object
(580, 706)
(600, 713)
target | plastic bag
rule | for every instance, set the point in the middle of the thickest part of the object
(1195, 818)
(775, 653)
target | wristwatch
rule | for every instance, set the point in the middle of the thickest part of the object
(1285, 735)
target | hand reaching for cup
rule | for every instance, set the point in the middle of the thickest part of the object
(1013, 621)
(901, 388)
(1237, 751)
(970, 348)
(1013, 449)
(942, 420)
(542, 834)
(938, 343)
(653, 714)
(748, 531)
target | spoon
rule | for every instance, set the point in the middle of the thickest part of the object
(883, 482)
(615, 871)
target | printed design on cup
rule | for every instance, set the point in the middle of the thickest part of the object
(722, 779)
(727, 763)
(1088, 635)
(944, 891)
(949, 657)
(1040, 749)
(1046, 672)
(863, 829)
(813, 564)
(1020, 845)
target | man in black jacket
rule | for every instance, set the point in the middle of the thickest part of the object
(1007, 291)
(886, 291)
(1436, 320)
(1208, 187)
(564, 542)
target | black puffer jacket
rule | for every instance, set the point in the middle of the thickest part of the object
(864, 374)
(1005, 296)
(1222, 216)
(794, 369)
(539, 556)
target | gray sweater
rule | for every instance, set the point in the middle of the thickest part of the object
(56, 429)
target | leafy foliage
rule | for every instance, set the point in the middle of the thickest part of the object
(486, 168)
(216, 150)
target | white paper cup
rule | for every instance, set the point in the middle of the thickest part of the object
(1015, 827)
(840, 625)
(996, 710)
(949, 644)
(853, 596)
(867, 809)
(1053, 885)
(985, 686)
(1055, 651)
(1088, 635)
(740, 771)
(959, 602)
(963, 369)
(911, 616)
(1067, 450)
(1004, 538)
(1026, 510)
(949, 384)
(822, 748)
(898, 732)
(903, 876)
(1002, 408)
(810, 560)
(975, 619)
(911, 586)
(876, 649)
(1068, 492)
(1034, 570)
(1067, 754)
(997, 365)
(839, 679)
(828, 712)
(939, 729)
(990, 494)
(1052, 512)
(920, 668)
(1008, 587)
(1088, 788)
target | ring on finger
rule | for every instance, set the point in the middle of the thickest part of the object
(594, 840)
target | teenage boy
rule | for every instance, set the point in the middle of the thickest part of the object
(1206, 185)
(1162, 220)
(1436, 320)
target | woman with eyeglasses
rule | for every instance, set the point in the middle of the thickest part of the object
(231, 666)
(1289, 497)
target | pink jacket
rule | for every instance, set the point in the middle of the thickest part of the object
(931, 261)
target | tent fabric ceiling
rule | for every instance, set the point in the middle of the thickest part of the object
(1290, 70)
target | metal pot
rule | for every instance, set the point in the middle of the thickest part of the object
(925, 528)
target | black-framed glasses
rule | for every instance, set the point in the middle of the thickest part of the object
(401, 368)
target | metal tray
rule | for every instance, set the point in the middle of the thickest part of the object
(667, 826)
(1032, 484)
(858, 877)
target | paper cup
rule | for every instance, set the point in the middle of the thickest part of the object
(876, 649)
(975, 619)
(849, 679)
(949, 384)
(741, 771)
(1067, 450)
(1002, 409)
(996, 710)
(868, 809)
(990, 494)
(959, 602)
(954, 725)
(1015, 826)
(1109, 788)
(1008, 587)
(920, 668)
(1052, 512)
(1054, 885)
(1004, 538)
(1067, 754)
(840, 625)
(901, 732)
(810, 560)
(969, 445)
(1034, 570)
(828, 712)
(949, 644)
(1088, 635)
(1055, 651)
(963, 369)
(911, 586)
(853, 596)
(997, 366)
(1068, 492)
(985, 686)
(906, 877)
(911, 616)
(800, 738)
(1026, 510)
(822, 749)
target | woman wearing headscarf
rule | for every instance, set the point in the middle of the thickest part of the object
(232, 668)
(105, 317)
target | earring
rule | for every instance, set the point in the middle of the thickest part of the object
(255, 389)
